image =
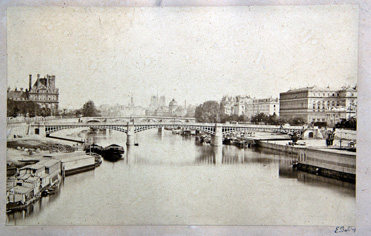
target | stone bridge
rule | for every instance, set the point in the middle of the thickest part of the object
(215, 130)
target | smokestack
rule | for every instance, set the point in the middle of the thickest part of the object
(30, 82)
(37, 81)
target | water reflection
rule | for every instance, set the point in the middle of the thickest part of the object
(160, 135)
(129, 155)
(33, 210)
(250, 183)
(323, 182)
(285, 169)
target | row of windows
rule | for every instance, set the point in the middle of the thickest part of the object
(326, 94)
(318, 120)
(44, 98)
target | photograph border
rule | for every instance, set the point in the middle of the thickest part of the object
(363, 192)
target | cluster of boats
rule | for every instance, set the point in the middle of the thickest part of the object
(183, 132)
(203, 138)
(112, 152)
(239, 142)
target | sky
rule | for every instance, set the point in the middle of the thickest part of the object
(186, 53)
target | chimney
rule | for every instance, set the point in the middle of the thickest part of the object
(30, 82)
(37, 81)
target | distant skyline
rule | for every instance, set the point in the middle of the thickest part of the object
(186, 53)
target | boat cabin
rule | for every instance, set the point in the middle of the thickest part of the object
(19, 194)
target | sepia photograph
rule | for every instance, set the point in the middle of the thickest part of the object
(182, 115)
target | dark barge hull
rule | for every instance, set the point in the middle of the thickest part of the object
(351, 178)
(79, 170)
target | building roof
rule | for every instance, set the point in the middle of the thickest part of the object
(17, 95)
(21, 189)
(36, 166)
(313, 88)
(31, 179)
(51, 162)
(24, 176)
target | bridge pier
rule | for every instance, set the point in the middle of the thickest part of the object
(129, 155)
(130, 134)
(218, 155)
(161, 129)
(217, 138)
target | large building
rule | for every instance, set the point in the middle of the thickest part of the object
(315, 104)
(268, 106)
(43, 92)
(157, 108)
(247, 106)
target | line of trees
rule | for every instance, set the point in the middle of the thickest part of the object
(88, 110)
(26, 108)
(276, 120)
(213, 112)
(32, 109)
(350, 123)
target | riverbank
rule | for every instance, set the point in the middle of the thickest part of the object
(35, 164)
(314, 157)
(33, 148)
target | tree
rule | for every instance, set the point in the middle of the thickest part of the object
(89, 109)
(78, 113)
(351, 123)
(297, 121)
(12, 110)
(209, 112)
(25, 108)
(261, 117)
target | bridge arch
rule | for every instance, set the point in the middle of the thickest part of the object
(49, 129)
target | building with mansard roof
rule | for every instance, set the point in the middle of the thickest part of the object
(42, 92)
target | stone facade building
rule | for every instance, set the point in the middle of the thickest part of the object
(42, 92)
(247, 106)
(268, 106)
(315, 104)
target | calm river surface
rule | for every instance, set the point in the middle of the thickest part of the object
(169, 179)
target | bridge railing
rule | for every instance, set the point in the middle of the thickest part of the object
(164, 124)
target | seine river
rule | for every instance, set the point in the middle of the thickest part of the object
(169, 179)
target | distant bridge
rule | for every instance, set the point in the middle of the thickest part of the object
(215, 130)
(140, 119)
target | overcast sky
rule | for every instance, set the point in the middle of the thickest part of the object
(194, 54)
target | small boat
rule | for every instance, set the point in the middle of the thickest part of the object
(228, 141)
(176, 131)
(94, 148)
(186, 132)
(48, 192)
(113, 149)
(112, 152)
(241, 143)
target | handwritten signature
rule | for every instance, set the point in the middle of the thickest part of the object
(342, 229)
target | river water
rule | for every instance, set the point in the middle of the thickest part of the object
(170, 179)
